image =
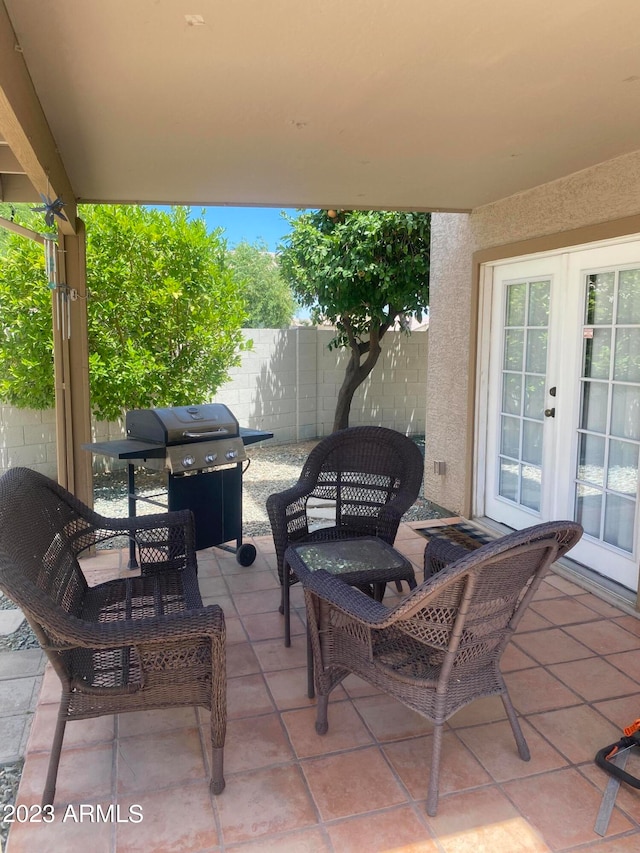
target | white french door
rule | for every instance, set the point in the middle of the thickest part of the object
(563, 400)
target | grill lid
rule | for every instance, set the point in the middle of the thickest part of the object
(182, 424)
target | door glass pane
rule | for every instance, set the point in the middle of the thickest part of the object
(625, 411)
(510, 443)
(530, 490)
(618, 522)
(597, 354)
(622, 474)
(516, 304)
(594, 406)
(512, 394)
(513, 349)
(536, 351)
(508, 479)
(539, 292)
(589, 509)
(532, 442)
(627, 364)
(629, 297)
(600, 294)
(534, 397)
(609, 429)
(591, 458)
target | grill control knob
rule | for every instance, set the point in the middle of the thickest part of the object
(188, 461)
(210, 457)
(231, 454)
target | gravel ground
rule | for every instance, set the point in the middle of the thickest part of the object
(272, 469)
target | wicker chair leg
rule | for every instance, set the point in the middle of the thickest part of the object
(286, 605)
(54, 760)
(432, 795)
(523, 748)
(217, 770)
(322, 720)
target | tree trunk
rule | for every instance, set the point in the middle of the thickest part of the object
(355, 375)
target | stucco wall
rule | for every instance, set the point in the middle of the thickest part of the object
(288, 384)
(602, 194)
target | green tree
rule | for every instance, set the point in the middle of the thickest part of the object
(269, 302)
(164, 315)
(359, 270)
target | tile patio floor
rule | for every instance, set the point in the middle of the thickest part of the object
(574, 675)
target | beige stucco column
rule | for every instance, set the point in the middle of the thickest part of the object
(71, 361)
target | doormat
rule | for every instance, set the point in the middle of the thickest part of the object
(462, 533)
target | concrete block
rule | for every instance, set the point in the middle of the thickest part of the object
(13, 436)
(21, 664)
(10, 621)
(26, 455)
(11, 737)
(39, 434)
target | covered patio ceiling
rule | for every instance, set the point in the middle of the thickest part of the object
(414, 104)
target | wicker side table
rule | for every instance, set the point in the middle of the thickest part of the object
(366, 562)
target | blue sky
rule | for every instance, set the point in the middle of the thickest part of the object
(248, 223)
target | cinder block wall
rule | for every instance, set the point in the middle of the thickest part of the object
(288, 384)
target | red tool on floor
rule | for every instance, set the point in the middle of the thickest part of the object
(612, 759)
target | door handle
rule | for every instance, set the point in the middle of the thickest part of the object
(550, 413)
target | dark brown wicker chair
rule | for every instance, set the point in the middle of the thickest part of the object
(138, 643)
(440, 647)
(373, 475)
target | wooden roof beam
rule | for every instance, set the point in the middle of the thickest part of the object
(24, 127)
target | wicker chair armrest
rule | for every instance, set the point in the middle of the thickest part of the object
(203, 622)
(278, 503)
(345, 598)
(440, 553)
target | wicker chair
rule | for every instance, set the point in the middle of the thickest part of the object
(440, 647)
(373, 475)
(138, 643)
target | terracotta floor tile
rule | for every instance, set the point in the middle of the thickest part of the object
(534, 690)
(388, 719)
(630, 623)
(578, 733)
(495, 747)
(622, 712)
(223, 601)
(76, 733)
(164, 826)
(208, 568)
(563, 806)
(289, 688)
(138, 723)
(352, 783)
(263, 601)
(628, 663)
(546, 590)
(459, 770)
(483, 820)
(273, 654)
(565, 586)
(552, 646)
(594, 678)
(212, 587)
(620, 844)
(84, 775)
(485, 710)
(264, 802)
(532, 621)
(63, 835)
(514, 658)
(241, 660)
(599, 605)
(235, 630)
(564, 611)
(604, 637)
(356, 687)
(248, 696)
(253, 581)
(146, 763)
(381, 832)
(346, 730)
(270, 626)
(305, 841)
(254, 742)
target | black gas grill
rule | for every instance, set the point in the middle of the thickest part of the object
(201, 449)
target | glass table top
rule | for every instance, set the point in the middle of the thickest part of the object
(345, 556)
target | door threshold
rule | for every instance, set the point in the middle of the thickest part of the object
(590, 580)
